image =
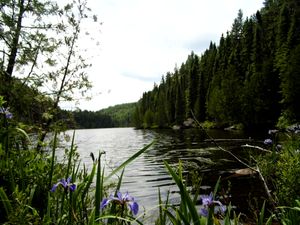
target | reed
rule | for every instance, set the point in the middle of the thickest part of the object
(36, 189)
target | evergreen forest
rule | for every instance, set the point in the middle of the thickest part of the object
(113, 116)
(251, 78)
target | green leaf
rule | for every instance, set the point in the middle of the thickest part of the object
(99, 187)
(184, 195)
(217, 187)
(52, 159)
(133, 157)
(5, 201)
(261, 215)
(19, 130)
(92, 218)
(296, 208)
(172, 218)
(183, 217)
(89, 181)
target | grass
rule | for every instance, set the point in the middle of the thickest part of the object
(28, 175)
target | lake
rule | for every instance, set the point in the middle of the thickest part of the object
(199, 155)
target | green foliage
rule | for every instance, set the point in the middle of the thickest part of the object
(27, 176)
(281, 168)
(250, 78)
(87, 119)
(148, 119)
(121, 114)
(41, 63)
(114, 116)
(288, 173)
(291, 215)
(261, 219)
(187, 212)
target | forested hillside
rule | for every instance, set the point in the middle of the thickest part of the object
(114, 116)
(121, 114)
(251, 77)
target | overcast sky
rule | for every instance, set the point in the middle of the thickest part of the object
(139, 41)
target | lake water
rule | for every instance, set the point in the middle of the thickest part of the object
(144, 176)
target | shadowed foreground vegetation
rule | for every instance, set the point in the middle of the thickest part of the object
(250, 78)
(38, 188)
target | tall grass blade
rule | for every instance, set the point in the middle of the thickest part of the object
(269, 221)
(135, 220)
(184, 195)
(122, 219)
(261, 215)
(236, 218)
(89, 181)
(197, 191)
(92, 218)
(227, 217)
(217, 187)
(71, 155)
(183, 205)
(19, 130)
(172, 218)
(99, 187)
(75, 171)
(129, 160)
(5, 201)
(210, 218)
(183, 217)
(120, 182)
(52, 159)
(161, 218)
(162, 211)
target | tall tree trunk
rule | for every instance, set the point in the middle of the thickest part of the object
(13, 53)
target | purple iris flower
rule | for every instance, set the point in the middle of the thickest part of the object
(278, 147)
(6, 112)
(268, 141)
(208, 202)
(272, 132)
(204, 212)
(66, 183)
(121, 199)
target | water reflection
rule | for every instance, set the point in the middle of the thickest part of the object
(147, 174)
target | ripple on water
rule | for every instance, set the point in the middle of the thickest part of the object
(147, 174)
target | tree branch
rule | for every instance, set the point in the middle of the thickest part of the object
(267, 190)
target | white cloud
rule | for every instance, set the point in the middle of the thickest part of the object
(142, 40)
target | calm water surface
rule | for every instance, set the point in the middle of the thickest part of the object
(144, 176)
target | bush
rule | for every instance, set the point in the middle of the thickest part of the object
(288, 173)
(281, 168)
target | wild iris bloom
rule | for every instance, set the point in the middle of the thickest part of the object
(67, 185)
(278, 147)
(268, 142)
(7, 113)
(123, 200)
(273, 132)
(208, 202)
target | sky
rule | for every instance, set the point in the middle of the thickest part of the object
(139, 41)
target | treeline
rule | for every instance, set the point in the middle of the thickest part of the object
(114, 116)
(27, 104)
(252, 77)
